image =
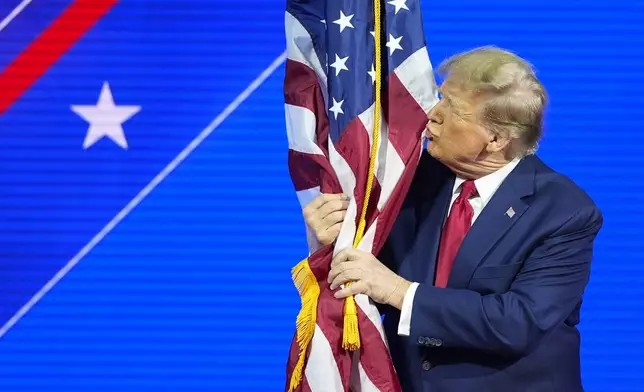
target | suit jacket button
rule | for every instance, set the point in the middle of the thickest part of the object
(438, 342)
(426, 365)
(422, 340)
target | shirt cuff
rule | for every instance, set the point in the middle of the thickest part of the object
(404, 325)
(312, 241)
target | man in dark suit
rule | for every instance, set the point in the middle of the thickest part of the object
(482, 276)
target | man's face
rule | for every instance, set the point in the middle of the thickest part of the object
(456, 137)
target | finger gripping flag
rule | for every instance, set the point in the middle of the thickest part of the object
(357, 88)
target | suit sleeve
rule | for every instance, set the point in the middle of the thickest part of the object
(543, 294)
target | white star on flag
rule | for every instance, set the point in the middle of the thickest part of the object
(344, 21)
(372, 73)
(105, 118)
(340, 64)
(399, 4)
(393, 44)
(337, 108)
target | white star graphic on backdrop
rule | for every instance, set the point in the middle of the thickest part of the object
(344, 21)
(105, 118)
(337, 108)
(393, 44)
(373, 34)
(323, 21)
(399, 4)
(340, 64)
(372, 73)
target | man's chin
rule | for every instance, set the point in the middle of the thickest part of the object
(433, 150)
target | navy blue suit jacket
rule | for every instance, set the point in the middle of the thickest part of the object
(507, 320)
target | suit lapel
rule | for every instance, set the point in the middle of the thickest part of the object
(504, 208)
(421, 261)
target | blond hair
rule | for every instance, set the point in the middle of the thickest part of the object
(512, 99)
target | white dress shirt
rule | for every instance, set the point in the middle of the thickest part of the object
(485, 187)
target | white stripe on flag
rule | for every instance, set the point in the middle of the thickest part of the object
(365, 384)
(321, 370)
(300, 48)
(389, 166)
(300, 130)
(306, 196)
(348, 184)
(417, 75)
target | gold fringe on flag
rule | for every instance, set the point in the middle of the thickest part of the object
(309, 290)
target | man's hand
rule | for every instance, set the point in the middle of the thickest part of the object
(368, 276)
(325, 214)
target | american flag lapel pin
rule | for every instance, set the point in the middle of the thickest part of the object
(510, 212)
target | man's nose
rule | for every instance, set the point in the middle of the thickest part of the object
(434, 117)
(434, 114)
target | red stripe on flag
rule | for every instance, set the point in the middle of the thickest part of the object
(292, 360)
(355, 148)
(372, 208)
(380, 370)
(293, 355)
(49, 47)
(305, 385)
(306, 169)
(406, 118)
(406, 124)
(389, 214)
(302, 88)
(329, 320)
(330, 316)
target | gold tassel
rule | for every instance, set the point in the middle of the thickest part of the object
(309, 291)
(350, 334)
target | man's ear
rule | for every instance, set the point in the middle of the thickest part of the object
(497, 144)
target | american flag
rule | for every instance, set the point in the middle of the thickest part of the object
(329, 101)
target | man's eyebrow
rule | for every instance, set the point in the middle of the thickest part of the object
(444, 94)
(448, 98)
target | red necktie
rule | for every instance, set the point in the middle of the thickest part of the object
(457, 225)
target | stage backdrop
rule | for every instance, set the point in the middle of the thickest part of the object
(147, 163)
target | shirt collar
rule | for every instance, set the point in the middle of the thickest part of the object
(487, 185)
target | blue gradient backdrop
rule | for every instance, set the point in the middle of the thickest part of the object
(191, 291)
